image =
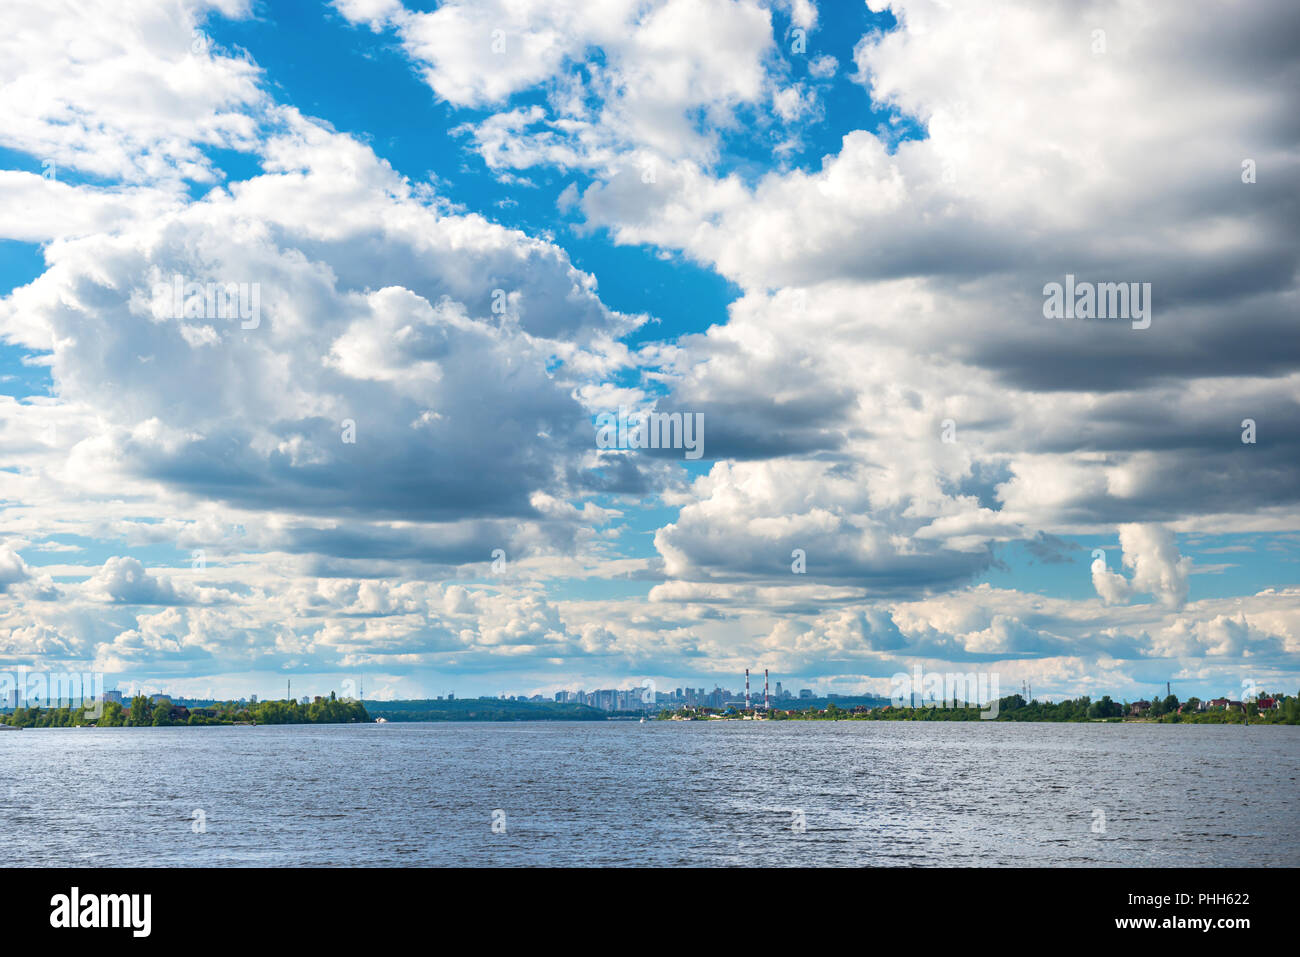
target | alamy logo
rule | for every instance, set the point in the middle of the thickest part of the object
(651, 430)
(53, 689)
(102, 910)
(1106, 300)
(179, 299)
(932, 689)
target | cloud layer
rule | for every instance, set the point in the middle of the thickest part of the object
(385, 465)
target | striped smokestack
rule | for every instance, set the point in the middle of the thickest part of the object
(746, 689)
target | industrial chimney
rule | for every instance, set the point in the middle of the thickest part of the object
(746, 689)
(767, 701)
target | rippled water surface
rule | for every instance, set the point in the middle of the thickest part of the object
(665, 793)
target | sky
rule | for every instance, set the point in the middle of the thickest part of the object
(456, 235)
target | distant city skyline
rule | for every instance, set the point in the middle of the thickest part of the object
(608, 696)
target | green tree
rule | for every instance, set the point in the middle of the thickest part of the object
(162, 713)
(113, 716)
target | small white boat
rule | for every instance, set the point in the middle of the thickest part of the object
(381, 721)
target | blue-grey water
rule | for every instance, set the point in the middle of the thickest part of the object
(665, 793)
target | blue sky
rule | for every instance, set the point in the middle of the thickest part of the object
(823, 230)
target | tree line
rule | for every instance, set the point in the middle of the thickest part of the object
(1016, 708)
(142, 712)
